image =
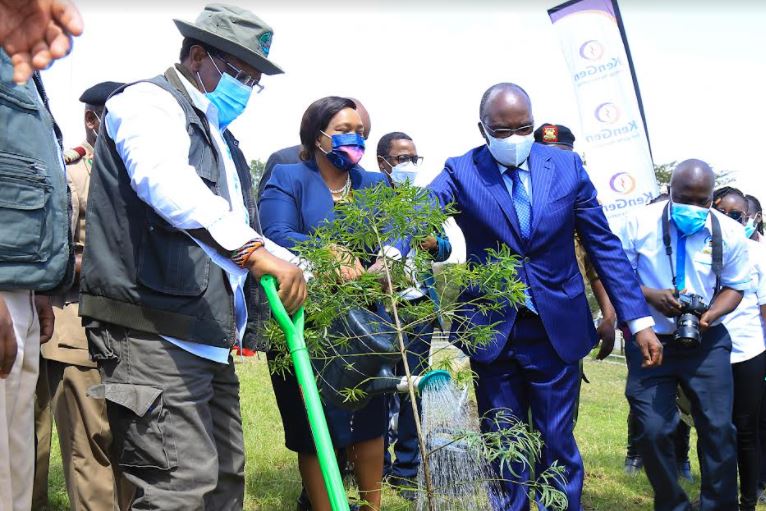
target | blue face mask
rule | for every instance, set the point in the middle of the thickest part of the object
(347, 150)
(404, 173)
(688, 219)
(230, 97)
(750, 228)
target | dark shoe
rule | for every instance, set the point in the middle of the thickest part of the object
(685, 471)
(304, 504)
(406, 487)
(633, 465)
(408, 495)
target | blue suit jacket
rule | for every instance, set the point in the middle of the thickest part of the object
(296, 201)
(563, 200)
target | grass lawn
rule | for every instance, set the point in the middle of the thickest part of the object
(272, 476)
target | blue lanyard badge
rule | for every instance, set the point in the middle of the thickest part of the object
(680, 261)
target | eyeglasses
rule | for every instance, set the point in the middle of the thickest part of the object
(507, 132)
(733, 214)
(402, 158)
(241, 76)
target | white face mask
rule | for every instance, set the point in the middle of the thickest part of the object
(511, 151)
(404, 172)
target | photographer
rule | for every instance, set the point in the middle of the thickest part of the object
(693, 266)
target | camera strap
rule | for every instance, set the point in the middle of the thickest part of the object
(717, 244)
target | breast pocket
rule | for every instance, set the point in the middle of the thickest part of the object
(24, 195)
(171, 262)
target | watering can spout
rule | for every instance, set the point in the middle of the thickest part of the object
(387, 383)
(433, 380)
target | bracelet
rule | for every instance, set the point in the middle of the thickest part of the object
(241, 256)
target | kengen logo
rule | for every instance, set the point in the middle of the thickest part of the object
(592, 50)
(622, 183)
(608, 113)
(597, 63)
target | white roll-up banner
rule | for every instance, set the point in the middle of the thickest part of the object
(613, 137)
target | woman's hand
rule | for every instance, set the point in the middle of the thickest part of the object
(350, 267)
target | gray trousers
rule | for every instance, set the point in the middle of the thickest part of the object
(175, 419)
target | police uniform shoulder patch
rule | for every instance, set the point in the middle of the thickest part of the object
(74, 155)
(550, 134)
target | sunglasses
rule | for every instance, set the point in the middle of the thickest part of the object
(733, 214)
(507, 132)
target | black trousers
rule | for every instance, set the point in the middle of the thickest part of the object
(748, 392)
(705, 375)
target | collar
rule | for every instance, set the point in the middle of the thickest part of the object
(524, 166)
(199, 100)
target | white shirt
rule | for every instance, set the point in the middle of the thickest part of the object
(641, 237)
(744, 323)
(148, 127)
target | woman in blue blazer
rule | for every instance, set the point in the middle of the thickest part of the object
(296, 200)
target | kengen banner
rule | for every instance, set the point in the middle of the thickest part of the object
(614, 136)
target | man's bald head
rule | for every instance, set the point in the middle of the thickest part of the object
(502, 94)
(692, 182)
(364, 115)
(504, 107)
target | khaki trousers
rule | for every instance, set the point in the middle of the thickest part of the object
(84, 438)
(17, 394)
(43, 433)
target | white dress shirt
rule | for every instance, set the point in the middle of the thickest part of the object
(641, 237)
(744, 323)
(148, 127)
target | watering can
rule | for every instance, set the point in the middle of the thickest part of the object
(366, 360)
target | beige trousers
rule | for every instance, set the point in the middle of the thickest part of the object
(17, 398)
(85, 440)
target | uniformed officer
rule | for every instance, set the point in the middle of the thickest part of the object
(558, 135)
(680, 248)
(81, 421)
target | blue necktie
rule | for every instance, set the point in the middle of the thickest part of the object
(521, 203)
(524, 213)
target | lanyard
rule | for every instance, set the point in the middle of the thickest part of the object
(717, 242)
(679, 280)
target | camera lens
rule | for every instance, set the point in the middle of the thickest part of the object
(688, 330)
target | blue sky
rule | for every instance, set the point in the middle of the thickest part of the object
(422, 67)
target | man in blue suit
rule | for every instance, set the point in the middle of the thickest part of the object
(533, 198)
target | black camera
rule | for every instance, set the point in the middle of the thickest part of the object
(688, 323)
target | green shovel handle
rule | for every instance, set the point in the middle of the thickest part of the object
(304, 373)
